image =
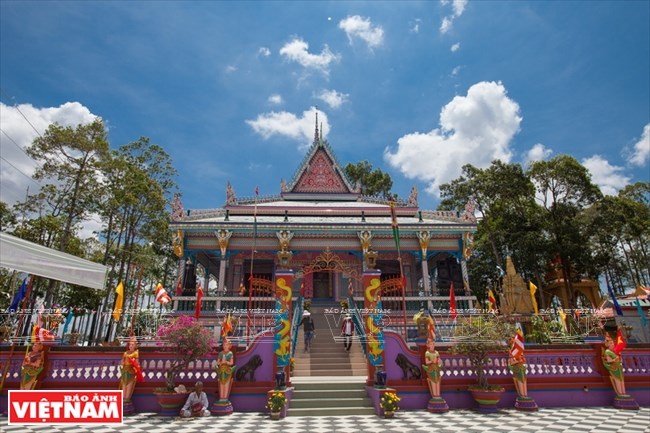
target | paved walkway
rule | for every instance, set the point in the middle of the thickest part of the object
(553, 420)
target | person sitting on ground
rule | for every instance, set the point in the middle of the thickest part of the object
(197, 403)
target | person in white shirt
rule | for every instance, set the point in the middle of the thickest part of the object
(347, 329)
(197, 403)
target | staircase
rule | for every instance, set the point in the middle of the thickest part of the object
(330, 396)
(329, 381)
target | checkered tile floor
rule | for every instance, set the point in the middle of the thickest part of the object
(553, 420)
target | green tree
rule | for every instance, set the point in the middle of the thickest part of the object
(564, 189)
(68, 160)
(373, 182)
(509, 223)
(8, 218)
(619, 235)
(139, 182)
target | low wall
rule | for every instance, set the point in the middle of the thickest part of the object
(71, 367)
(558, 375)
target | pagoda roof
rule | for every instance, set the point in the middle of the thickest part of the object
(320, 175)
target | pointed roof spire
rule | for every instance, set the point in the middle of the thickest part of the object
(316, 136)
(321, 131)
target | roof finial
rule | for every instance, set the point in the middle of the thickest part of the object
(316, 139)
(321, 132)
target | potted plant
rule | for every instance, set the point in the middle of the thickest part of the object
(188, 340)
(477, 337)
(276, 402)
(389, 403)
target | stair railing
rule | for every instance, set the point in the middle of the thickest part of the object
(295, 327)
(357, 319)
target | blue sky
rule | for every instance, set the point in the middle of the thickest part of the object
(418, 89)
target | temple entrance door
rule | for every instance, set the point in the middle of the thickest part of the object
(322, 285)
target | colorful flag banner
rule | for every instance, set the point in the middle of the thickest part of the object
(533, 289)
(452, 302)
(119, 301)
(492, 301)
(644, 292)
(68, 320)
(621, 344)
(199, 300)
(226, 326)
(562, 318)
(41, 334)
(393, 216)
(20, 294)
(161, 294)
(616, 306)
(517, 349)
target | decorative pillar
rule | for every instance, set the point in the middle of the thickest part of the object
(372, 322)
(284, 254)
(365, 237)
(223, 236)
(468, 249)
(282, 338)
(424, 237)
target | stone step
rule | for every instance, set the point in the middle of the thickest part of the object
(327, 372)
(321, 403)
(328, 393)
(331, 411)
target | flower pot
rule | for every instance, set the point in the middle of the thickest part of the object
(389, 414)
(170, 402)
(275, 415)
(487, 399)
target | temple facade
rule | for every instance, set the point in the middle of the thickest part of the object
(321, 227)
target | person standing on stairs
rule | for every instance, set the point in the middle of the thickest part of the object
(308, 327)
(347, 329)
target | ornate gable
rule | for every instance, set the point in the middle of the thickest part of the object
(320, 174)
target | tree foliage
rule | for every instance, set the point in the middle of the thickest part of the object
(373, 182)
(552, 210)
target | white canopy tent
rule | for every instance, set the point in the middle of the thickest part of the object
(25, 256)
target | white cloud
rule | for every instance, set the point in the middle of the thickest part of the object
(275, 99)
(455, 71)
(16, 168)
(608, 177)
(445, 26)
(362, 28)
(538, 152)
(641, 151)
(230, 69)
(333, 98)
(297, 51)
(416, 26)
(474, 129)
(289, 125)
(263, 51)
(455, 47)
(458, 7)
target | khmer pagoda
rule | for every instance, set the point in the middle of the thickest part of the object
(321, 227)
